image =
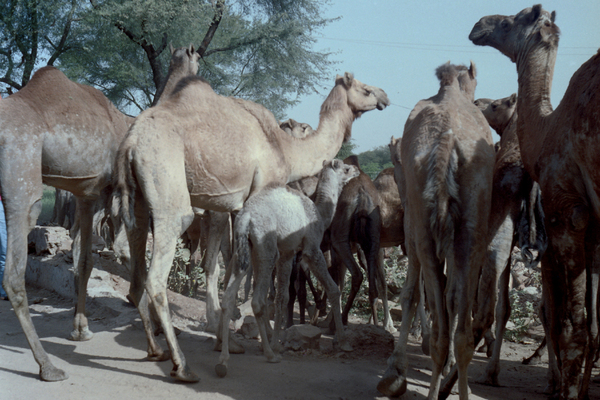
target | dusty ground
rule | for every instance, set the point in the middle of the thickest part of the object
(112, 365)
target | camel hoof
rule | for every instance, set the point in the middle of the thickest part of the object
(487, 379)
(81, 335)
(52, 374)
(274, 359)
(221, 370)
(392, 385)
(532, 361)
(162, 356)
(185, 376)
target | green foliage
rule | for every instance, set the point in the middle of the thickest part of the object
(523, 314)
(48, 199)
(346, 150)
(259, 50)
(372, 162)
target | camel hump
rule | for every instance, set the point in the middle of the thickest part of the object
(448, 73)
(442, 193)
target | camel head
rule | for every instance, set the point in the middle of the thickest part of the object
(296, 129)
(465, 78)
(498, 112)
(340, 171)
(358, 96)
(514, 34)
(184, 60)
(395, 145)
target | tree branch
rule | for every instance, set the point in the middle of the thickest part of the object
(219, 6)
(61, 48)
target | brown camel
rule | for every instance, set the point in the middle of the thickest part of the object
(65, 135)
(448, 158)
(371, 220)
(179, 155)
(271, 228)
(560, 150)
(515, 215)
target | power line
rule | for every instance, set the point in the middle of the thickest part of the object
(438, 47)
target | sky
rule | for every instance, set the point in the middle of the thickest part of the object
(397, 45)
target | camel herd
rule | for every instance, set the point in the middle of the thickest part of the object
(456, 204)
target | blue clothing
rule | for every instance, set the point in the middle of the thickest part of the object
(2, 247)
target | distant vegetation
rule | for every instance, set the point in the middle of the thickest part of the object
(372, 162)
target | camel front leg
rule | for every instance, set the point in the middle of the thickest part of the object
(216, 228)
(394, 383)
(263, 273)
(388, 324)
(223, 338)
(314, 260)
(21, 210)
(82, 258)
(282, 298)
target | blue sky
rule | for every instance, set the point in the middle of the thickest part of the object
(396, 45)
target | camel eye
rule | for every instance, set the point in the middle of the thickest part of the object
(494, 106)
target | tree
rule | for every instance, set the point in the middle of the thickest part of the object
(346, 150)
(254, 49)
(374, 161)
(31, 30)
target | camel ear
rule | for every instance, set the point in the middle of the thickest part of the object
(472, 70)
(535, 12)
(191, 49)
(171, 48)
(553, 16)
(513, 99)
(348, 78)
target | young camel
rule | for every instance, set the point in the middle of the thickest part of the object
(560, 150)
(516, 217)
(271, 229)
(199, 149)
(448, 158)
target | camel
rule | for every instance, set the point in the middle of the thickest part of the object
(66, 135)
(183, 153)
(371, 220)
(560, 150)
(448, 158)
(274, 225)
(515, 215)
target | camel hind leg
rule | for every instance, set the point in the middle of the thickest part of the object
(82, 257)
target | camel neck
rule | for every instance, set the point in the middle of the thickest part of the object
(326, 198)
(305, 156)
(535, 69)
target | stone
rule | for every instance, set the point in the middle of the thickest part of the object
(302, 337)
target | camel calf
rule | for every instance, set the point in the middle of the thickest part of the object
(273, 226)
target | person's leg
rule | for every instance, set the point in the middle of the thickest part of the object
(2, 249)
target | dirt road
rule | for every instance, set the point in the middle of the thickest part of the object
(112, 365)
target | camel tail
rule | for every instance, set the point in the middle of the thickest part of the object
(531, 229)
(241, 240)
(124, 187)
(441, 192)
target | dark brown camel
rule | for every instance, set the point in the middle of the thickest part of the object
(560, 150)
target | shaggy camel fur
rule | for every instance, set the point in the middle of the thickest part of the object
(65, 135)
(560, 150)
(448, 159)
(371, 220)
(271, 229)
(516, 215)
(178, 155)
